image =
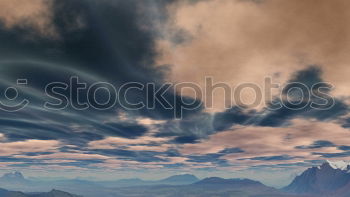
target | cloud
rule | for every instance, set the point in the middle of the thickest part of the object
(287, 111)
(214, 158)
(103, 49)
(28, 146)
(161, 148)
(130, 41)
(273, 158)
(126, 130)
(188, 129)
(74, 156)
(36, 15)
(244, 41)
(235, 115)
(318, 144)
(114, 142)
(346, 123)
(268, 145)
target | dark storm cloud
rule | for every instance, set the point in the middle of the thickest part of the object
(333, 155)
(308, 77)
(188, 129)
(125, 130)
(317, 144)
(235, 115)
(346, 123)
(345, 148)
(201, 125)
(281, 117)
(82, 163)
(273, 158)
(111, 41)
(172, 153)
(176, 165)
(214, 157)
(288, 165)
(114, 41)
(186, 139)
(108, 40)
(140, 156)
(151, 156)
(12, 159)
(45, 126)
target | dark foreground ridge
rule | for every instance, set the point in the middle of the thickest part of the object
(52, 193)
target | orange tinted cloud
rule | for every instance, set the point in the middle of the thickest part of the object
(239, 41)
(269, 141)
(35, 14)
(11, 148)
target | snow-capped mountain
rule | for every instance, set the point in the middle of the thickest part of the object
(12, 176)
(341, 165)
(328, 178)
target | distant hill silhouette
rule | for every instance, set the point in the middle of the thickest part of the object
(52, 193)
(183, 179)
(233, 182)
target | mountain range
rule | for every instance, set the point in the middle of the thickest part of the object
(182, 179)
(15, 181)
(208, 187)
(331, 179)
(184, 185)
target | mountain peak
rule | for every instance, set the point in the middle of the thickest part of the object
(341, 165)
(58, 193)
(13, 175)
(181, 178)
(329, 177)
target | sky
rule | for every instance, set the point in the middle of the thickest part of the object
(70, 44)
